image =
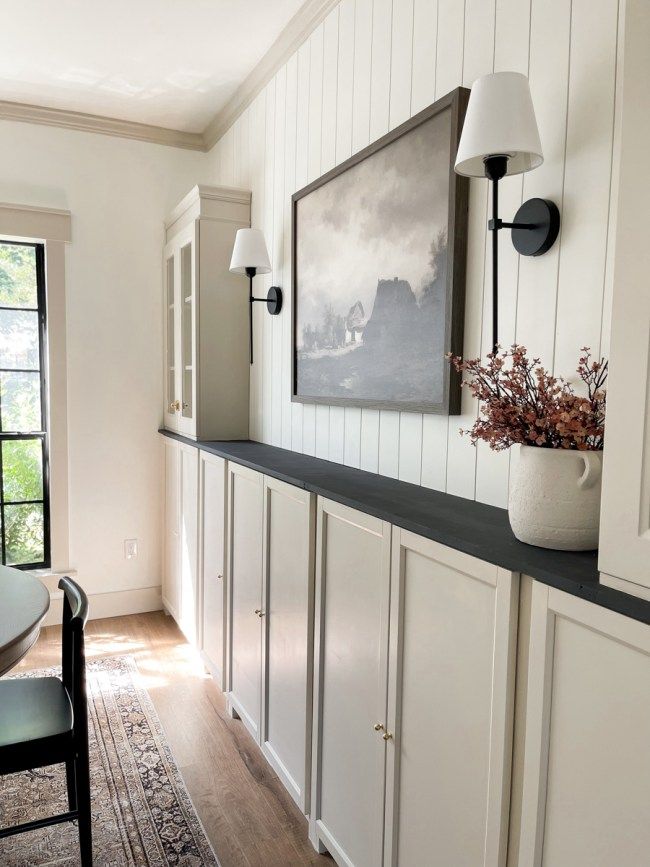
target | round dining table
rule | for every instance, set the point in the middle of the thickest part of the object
(24, 602)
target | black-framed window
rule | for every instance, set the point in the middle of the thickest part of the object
(24, 470)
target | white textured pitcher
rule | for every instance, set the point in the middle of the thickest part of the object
(554, 499)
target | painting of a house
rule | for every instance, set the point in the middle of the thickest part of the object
(375, 286)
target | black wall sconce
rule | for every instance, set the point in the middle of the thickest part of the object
(250, 257)
(499, 138)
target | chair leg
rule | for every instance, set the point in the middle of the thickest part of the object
(71, 781)
(84, 808)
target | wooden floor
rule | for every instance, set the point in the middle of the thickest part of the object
(248, 816)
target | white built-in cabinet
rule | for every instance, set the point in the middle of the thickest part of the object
(414, 691)
(452, 660)
(205, 349)
(585, 757)
(287, 635)
(245, 526)
(171, 585)
(421, 706)
(212, 563)
(350, 683)
(270, 570)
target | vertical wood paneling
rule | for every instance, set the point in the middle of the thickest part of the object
(478, 58)
(363, 30)
(361, 81)
(289, 189)
(344, 98)
(313, 171)
(277, 255)
(368, 67)
(549, 75)
(511, 50)
(302, 153)
(425, 30)
(401, 62)
(257, 113)
(587, 179)
(382, 22)
(263, 338)
(409, 444)
(328, 159)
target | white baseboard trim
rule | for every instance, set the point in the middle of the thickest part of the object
(114, 604)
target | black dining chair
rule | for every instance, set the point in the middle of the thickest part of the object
(44, 721)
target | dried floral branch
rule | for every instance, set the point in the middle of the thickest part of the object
(521, 402)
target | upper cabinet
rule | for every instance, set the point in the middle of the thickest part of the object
(206, 365)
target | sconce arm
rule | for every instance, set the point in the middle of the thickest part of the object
(499, 224)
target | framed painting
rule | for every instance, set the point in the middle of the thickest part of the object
(379, 248)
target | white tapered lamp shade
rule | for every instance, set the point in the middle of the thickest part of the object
(250, 252)
(500, 121)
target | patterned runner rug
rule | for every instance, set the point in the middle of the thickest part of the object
(142, 813)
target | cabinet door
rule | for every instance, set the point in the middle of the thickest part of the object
(245, 527)
(351, 645)
(170, 363)
(450, 710)
(189, 540)
(586, 767)
(212, 483)
(288, 629)
(186, 275)
(171, 595)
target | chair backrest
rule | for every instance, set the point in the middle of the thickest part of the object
(75, 615)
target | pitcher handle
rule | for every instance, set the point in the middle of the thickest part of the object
(592, 471)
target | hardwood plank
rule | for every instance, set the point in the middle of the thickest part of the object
(247, 814)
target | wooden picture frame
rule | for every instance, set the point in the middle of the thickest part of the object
(454, 105)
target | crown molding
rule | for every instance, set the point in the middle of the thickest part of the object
(303, 23)
(78, 120)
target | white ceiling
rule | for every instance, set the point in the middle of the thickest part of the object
(170, 63)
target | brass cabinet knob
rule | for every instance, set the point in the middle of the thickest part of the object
(378, 727)
(387, 736)
(259, 612)
(175, 406)
(219, 577)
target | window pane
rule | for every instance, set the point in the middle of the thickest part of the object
(24, 534)
(19, 339)
(20, 401)
(22, 470)
(17, 276)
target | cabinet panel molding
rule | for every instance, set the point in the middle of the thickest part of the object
(585, 793)
(212, 552)
(171, 543)
(350, 671)
(245, 526)
(288, 626)
(189, 541)
(453, 632)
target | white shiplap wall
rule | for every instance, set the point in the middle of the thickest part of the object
(368, 67)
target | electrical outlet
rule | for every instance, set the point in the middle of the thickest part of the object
(130, 549)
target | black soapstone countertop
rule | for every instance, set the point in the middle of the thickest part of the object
(475, 528)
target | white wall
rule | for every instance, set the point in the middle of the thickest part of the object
(368, 67)
(118, 192)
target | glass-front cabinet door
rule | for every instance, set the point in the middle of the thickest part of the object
(179, 349)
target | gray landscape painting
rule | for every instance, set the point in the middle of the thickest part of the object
(371, 269)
